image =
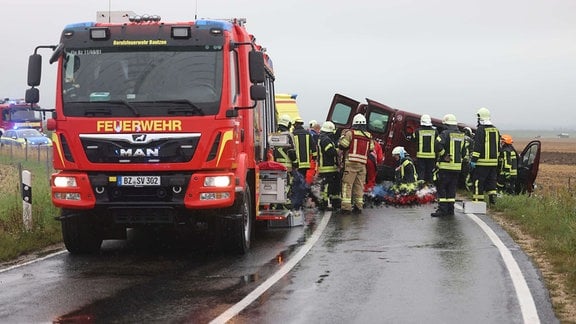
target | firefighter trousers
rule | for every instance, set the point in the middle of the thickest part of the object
(353, 181)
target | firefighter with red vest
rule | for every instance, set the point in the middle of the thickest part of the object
(450, 149)
(484, 158)
(356, 144)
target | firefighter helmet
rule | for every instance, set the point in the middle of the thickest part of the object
(328, 127)
(507, 139)
(449, 119)
(425, 120)
(312, 123)
(298, 120)
(359, 119)
(483, 114)
(285, 120)
(468, 131)
(398, 150)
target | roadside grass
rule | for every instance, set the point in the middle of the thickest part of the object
(550, 218)
(15, 239)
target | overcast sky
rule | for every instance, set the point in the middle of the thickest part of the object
(515, 57)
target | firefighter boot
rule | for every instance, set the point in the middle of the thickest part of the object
(442, 210)
(492, 199)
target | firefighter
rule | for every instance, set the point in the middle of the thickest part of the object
(450, 149)
(356, 144)
(286, 155)
(328, 168)
(507, 166)
(405, 174)
(425, 137)
(484, 158)
(303, 144)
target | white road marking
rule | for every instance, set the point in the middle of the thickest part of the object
(246, 301)
(525, 299)
(33, 261)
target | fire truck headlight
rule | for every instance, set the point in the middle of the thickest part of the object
(64, 182)
(218, 181)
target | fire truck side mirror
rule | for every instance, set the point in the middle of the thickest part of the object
(257, 71)
(32, 95)
(257, 92)
(34, 70)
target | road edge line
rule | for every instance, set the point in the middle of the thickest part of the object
(525, 299)
(262, 288)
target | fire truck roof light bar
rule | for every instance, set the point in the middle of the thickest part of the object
(99, 33)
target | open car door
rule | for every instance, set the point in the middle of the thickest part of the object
(342, 111)
(528, 164)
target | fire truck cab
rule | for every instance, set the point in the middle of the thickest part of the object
(16, 113)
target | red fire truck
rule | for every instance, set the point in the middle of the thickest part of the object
(16, 113)
(158, 124)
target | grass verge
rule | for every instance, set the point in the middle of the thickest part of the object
(15, 239)
(549, 218)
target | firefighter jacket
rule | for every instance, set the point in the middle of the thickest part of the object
(486, 146)
(508, 161)
(425, 137)
(450, 148)
(286, 155)
(304, 146)
(327, 154)
(357, 143)
(405, 172)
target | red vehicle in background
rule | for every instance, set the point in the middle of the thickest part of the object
(392, 127)
(16, 113)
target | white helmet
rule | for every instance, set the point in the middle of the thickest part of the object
(483, 114)
(285, 120)
(425, 120)
(359, 119)
(328, 127)
(398, 150)
(312, 123)
(449, 119)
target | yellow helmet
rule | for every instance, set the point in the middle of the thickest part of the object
(483, 114)
(285, 120)
(328, 127)
(449, 119)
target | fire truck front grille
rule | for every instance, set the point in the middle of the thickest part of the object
(139, 148)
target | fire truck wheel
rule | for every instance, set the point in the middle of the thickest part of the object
(240, 228)
(81, 235)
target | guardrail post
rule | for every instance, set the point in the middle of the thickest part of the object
(27, 199)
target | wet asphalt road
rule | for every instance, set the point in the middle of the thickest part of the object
(388, 265)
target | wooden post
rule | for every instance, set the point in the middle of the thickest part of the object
(27, 199)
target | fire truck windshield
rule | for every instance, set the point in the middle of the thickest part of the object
(151, 82)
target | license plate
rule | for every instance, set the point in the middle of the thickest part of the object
(138, 181)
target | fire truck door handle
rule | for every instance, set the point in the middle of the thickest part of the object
(242, 135)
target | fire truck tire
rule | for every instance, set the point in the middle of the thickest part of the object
(80, 234)
(240, 229)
